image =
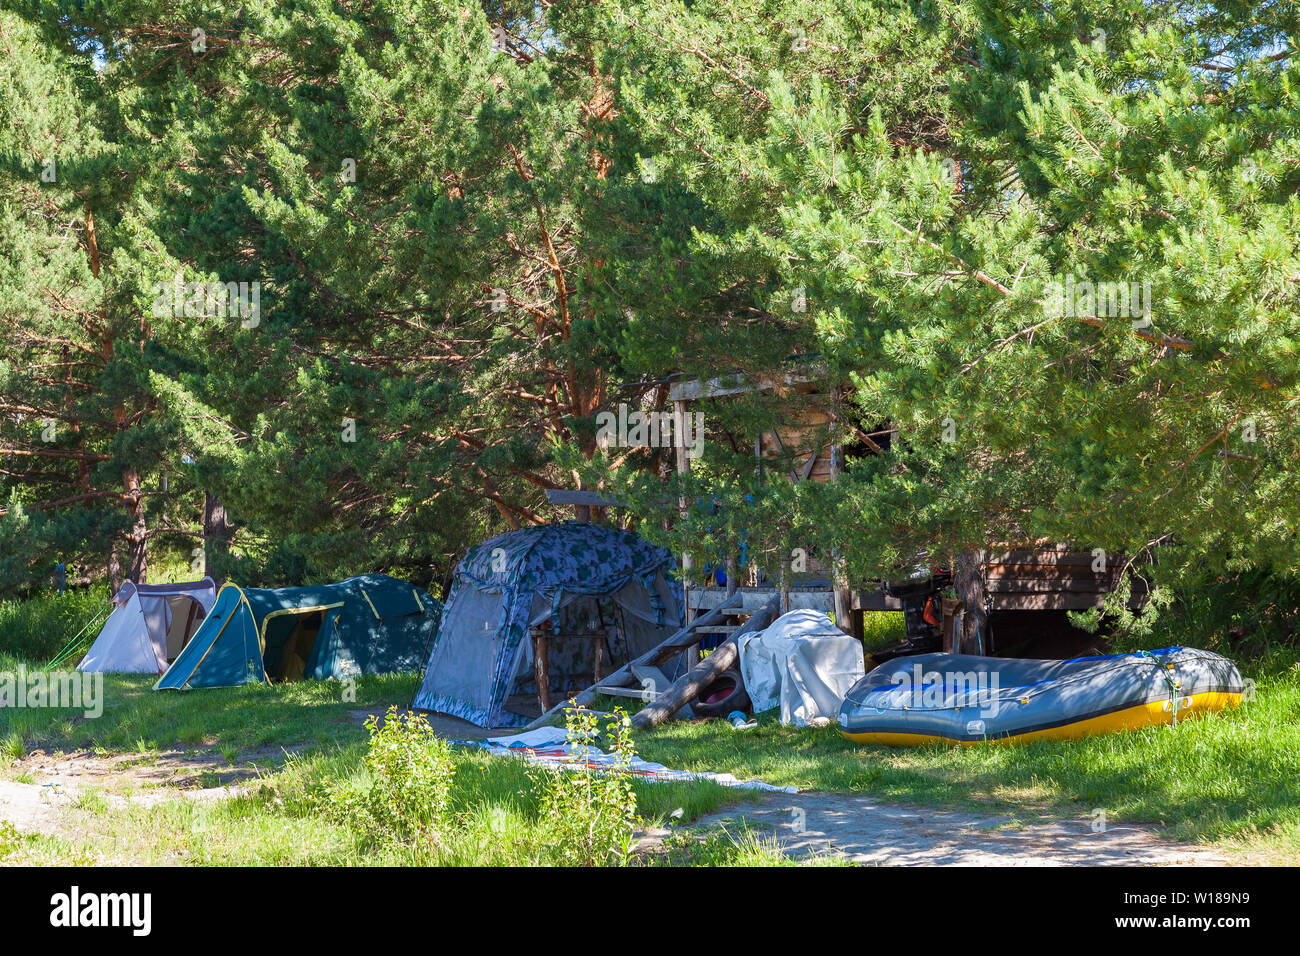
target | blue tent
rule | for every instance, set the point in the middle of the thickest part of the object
(371, 624)
(584, 579)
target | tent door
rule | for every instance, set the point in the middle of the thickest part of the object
(321, 662)
(187, 615)
(291, 643)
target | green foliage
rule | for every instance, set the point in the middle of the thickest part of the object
(591, 815)
(410, 772)
(1245, 612)
(467, 249)
(10, 839)
(37, 628)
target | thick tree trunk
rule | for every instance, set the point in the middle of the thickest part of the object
(968, 580)
(217, 530)
(127, 556)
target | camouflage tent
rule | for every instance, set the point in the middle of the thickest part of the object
(581, 579)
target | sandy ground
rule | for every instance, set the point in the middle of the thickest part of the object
(122, 780)
(867, 831)
(38, 808)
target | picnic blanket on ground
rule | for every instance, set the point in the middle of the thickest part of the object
(551, 747)
(803, 663)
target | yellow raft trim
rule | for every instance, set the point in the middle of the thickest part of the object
(1130, 718)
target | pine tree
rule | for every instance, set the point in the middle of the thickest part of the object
(84, 453)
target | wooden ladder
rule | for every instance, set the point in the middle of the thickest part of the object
(623, 683)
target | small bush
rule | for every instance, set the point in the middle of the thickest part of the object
(410, 774)
(591, 817)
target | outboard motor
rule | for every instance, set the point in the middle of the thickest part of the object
(922, 614)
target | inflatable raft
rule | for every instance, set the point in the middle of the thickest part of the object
(967, 699)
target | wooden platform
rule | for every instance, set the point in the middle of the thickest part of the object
(1051, 579)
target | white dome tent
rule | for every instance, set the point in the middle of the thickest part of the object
(149, 626)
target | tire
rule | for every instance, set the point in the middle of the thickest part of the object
(722, 695)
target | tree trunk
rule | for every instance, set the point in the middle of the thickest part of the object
(132, 547)
(137, 561)
(216, 534)
(115, 575)
(968, 580)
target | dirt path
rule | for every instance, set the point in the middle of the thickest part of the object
(867, 831)
(855, 826)
(47, 784)
(122, 780)
(38, 808)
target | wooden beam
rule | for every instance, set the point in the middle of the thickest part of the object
(736, 383)
(682, 461)
(624, 673)
(686, 688)
(808, 466)
(541, 662)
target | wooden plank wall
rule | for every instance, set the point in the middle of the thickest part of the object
(1050, 578)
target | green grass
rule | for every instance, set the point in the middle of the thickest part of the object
(725, 847)
(1234, 776)
(495, 809)
(880, 628)
(137, 718)
(494, 801)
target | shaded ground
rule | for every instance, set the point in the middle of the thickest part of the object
(866, 831)
(38, 808)
(50, 782)
(445, 726)
(179, 769)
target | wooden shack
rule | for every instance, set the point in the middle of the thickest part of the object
(809, 444)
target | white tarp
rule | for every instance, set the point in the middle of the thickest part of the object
(803, 663)
(551, 747)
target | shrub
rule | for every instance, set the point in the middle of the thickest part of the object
(590, 816)
(410, 773)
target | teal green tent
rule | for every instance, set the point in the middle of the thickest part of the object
(371, 624)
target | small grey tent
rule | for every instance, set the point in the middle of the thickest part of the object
(149, 626)
(599, 593)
